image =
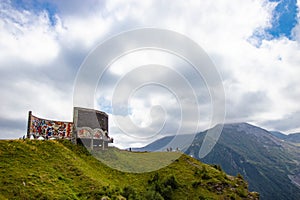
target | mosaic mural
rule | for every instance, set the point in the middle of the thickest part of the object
(86, 132)
(49, 129)
(89, 127)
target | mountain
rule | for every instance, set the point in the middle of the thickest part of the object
(269, 164)
(32, 169)
(176, 142)
(293, 137)
(279, 134)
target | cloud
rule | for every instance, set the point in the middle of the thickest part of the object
(167, 89)
(26, 37)
(42, 48)
(286, 123)
(296, 30)
(8, 124)
(247, 105)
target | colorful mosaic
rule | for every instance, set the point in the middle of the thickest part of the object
(89, 126)
(49, 129)
(92, 133)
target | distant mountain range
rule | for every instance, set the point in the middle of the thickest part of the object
(293, 137)
(269, 161)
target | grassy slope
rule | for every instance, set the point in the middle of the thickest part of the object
(61, 170)
(136, 162)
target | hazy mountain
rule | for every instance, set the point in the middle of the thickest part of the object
(279, 135)
(270, 164)
(175, 142)
(293, 137)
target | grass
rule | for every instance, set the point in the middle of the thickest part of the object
(60, 170)
(137, 162)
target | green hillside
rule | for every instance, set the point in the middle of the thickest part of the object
(60, 170)
(136, 162)
(270, 165)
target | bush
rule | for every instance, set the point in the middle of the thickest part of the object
(197, 173)
(171, 181)
(161, 189)
(195, 184)
(218, 167)
(206, 176)
(242, 192)
(150, 194)
(167, 192)
(240, 176)
(129, 192)
(202, 197)
(154, 179)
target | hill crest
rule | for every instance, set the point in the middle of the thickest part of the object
(33, 169)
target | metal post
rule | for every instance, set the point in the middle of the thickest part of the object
(74, 131)
(92, 142)
(29, 124)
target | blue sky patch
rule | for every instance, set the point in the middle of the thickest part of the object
(37, 6)
(284, 19)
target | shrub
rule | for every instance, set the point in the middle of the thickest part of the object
(167, 192)
(155, 178)
(150, 194)
(206, 176)
(129, 192)
(242, 192)
(240, 176)
(171, 181)
(195, 184)
(218, 167)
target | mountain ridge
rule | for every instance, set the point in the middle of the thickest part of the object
(268, 163)
(291, 137)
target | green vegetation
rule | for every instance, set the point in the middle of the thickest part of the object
(264, 161)
(137, 162)
(60, 170)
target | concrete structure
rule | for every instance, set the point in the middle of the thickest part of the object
(89, 127)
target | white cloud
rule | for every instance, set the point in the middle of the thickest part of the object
(84, 32)
(296, 29)
(26, 37)
(42, 53)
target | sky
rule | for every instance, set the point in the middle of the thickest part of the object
(254, 45)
